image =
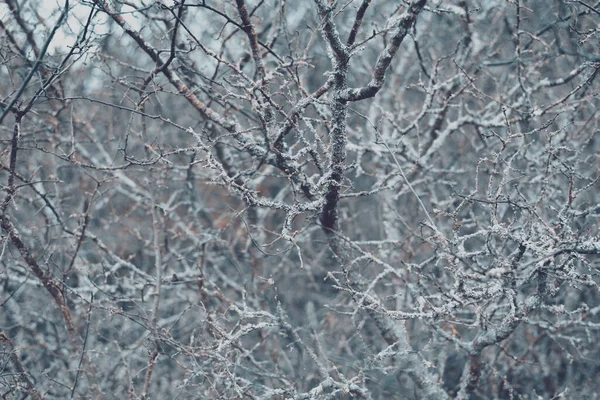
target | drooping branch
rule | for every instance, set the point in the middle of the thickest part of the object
(37, 63)
(23, 375)
(169, 72)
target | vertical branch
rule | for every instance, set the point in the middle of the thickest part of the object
(157, 263)
(14, 148)
(340, 58)
(360, 14)
(248, 28)
(339, 108)
(337, 164)
(520, 64)
(157, 292)
(83, 357)
(471, 374)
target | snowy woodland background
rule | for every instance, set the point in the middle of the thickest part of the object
(274, 199)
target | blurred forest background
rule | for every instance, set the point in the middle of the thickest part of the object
(267, 199)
